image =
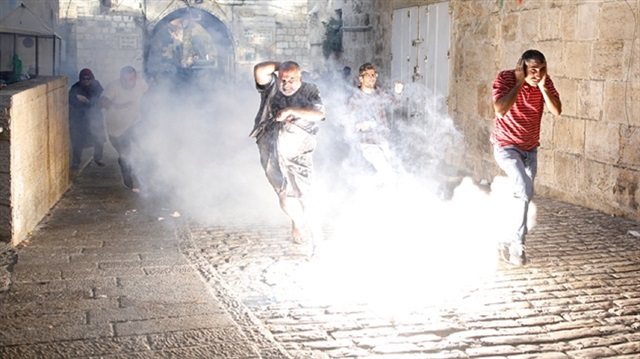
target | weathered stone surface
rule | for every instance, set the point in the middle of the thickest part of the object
(70, 294)
(562, 302)
(602, 141)
(79, 348)
(569, 135)
(37, 166)
(170, 324)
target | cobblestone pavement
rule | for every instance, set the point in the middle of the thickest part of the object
(105, 275)
(578, 297)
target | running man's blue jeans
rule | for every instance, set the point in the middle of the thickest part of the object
(520, 167)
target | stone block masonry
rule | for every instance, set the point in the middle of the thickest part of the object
(34, 153)
(588, 155)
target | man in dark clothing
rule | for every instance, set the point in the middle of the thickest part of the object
(86, 125)
(285, 129)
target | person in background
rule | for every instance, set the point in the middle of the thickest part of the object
(519, 97)
(121, 99)
(285, 130)
(86, 124)
(368, 124)
(346, 76)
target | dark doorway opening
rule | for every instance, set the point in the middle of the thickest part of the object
(192, 47)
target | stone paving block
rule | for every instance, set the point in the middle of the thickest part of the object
(29, 257)
(600, 314)
(162, 255)
(39, 332)
(543, 355)
(104, 257)
(173, 288)
(568, 335)
(575, 324)
(48, 263)
(171, 324)
(523, 330)
(101, 273)
(141, 263)
(207, 336)
(469, 334)
(492, 351)
(42, 296)
(139, 248)
(302, 336)
(54, 306)
(51, 320)
(601, 341)
(456, 354)
(221, 351)
(167, 241)
(396, 349)
(77, 348)
(176, 269)
(307, 354)
(153, 311)
(540, 320)
(627, 348)
(629, 319)
(601, 352)
(28, 274)
(44, 291)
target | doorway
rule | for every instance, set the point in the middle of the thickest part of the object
(191, 45)
(420, 50)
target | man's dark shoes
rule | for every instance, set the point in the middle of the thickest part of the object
(99, 163)
(512, 253)
(127, 179)
(126, 173)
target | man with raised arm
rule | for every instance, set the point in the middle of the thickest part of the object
(285, 129)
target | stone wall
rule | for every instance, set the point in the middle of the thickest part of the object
(105, 39)
(101, 40)
(590, 155)
(34, 153)
(367, 34)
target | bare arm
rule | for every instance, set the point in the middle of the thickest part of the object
(105, 102)
(262, 72)
(294, 113)
(504, 103)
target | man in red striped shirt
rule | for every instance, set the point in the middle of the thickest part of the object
(519, 97)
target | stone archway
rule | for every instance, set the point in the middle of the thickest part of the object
(192, 45)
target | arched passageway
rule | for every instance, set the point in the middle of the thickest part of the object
(191, 45)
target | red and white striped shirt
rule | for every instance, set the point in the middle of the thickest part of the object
(520, 126)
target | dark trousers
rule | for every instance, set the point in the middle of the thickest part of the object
(122, 144)
(76, 152)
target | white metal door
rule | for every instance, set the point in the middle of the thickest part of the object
(404, 55)
(421, 52)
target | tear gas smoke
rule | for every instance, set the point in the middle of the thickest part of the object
(415, 239)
